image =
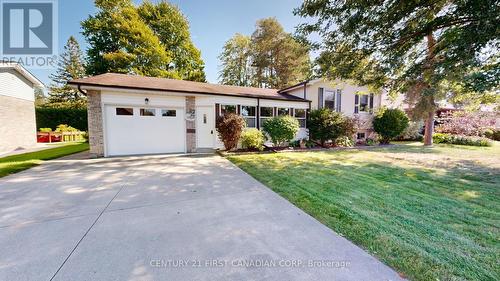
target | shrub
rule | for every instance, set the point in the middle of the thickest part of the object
(413, 132)
(389, 124)
(492, 134)
(344, 142)
(466, 123)
(45, 130)
(370, 142)
(47, 117)
(281, 129)
(460, 140)
(252, 139)
(65, 128)
(229, 128)
(325, 125)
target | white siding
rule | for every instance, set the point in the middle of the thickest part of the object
(13, 84)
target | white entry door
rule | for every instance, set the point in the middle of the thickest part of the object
(205, 127)
(144, 130)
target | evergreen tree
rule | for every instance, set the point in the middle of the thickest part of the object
(70, 66)
(236, 62)
(270, 58)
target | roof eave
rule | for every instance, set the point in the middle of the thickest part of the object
(79, 85)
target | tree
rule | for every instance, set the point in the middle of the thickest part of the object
(69, 66)
(40, 98)
(229, 128)
(390, 123)
(152, 40)
(281, 129)
(236, 59)
(270, 58)
(325, 125)
(410, 47)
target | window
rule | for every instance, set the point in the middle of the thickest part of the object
(168, 112)
(300, 115)
(124, 111)
(363, 103)
(283, 111)
(329, 100)
(225, 109)
(148, 112)
(361, 136)
(249, 114)
(266, 113)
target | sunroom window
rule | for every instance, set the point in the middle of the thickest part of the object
(249, 114)
(300, 115)
(265, 114)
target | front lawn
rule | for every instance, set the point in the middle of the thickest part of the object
(16, 163)
(430, 213)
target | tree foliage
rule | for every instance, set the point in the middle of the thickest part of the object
(69, 66)
(236, 59)
(270, 58)
(411, 47)
(229, 127)
(326, 125)
(390, 123)
(149, 39)
(281, 129)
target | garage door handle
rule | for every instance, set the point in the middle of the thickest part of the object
(212, 132)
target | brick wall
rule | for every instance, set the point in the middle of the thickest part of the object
(190, 125)
(96, 138)
(17, 123)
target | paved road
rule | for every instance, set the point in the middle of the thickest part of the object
(164, 218)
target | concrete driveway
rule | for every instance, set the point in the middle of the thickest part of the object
(164, 218)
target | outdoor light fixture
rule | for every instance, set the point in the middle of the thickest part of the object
(146, 100)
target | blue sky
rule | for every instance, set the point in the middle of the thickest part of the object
(212, 23)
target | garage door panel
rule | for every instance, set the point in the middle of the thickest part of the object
(136, 134)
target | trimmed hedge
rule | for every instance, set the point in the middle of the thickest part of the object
(460, 140)
(47, 117)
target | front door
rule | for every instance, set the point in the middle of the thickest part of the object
(205, 127)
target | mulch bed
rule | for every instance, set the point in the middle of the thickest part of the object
(296, 149)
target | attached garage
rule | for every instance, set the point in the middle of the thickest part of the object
(135, 115)
(144, 130)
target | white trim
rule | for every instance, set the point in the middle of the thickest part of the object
(25, 73)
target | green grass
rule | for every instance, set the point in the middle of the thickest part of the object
(16, 163)
(430, 213)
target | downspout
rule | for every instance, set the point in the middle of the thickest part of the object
(258, 114)
(81, 91)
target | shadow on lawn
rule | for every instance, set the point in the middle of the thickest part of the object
(419, 220)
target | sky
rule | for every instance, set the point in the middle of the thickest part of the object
(212, 23)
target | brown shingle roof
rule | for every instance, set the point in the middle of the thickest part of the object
(115, 80)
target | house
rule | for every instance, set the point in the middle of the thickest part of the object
(353, 101)
(130, 114)
(17, 107)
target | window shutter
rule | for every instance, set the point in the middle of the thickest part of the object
(371, 103)
(238, 109)
(356, 103)
(320, 98)
(338, 100)
(217, 110)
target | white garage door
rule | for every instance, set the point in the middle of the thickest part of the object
(144, 130)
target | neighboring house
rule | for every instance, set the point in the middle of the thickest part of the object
(340, 96)
(130, 114)
(17, 107)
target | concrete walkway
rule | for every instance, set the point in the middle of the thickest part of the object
(164, 218)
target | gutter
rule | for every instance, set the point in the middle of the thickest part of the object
(79, 85)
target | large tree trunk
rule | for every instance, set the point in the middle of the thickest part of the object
(429, 129)
(428, 74)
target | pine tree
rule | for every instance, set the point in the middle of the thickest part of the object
(70, 66)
